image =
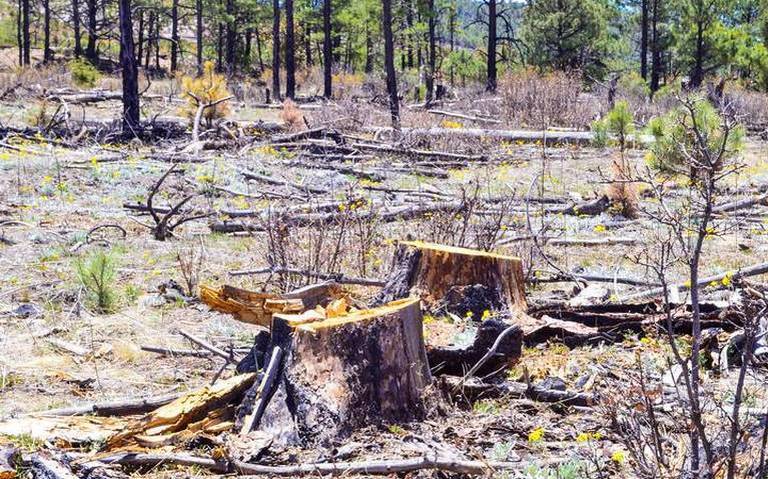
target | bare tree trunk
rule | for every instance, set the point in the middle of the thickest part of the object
(308, 44)
(130, 72)
(491, 65)
(26, 56)
(231, 43)
(199, 35)
(389, 62)
(368, 51)
(452, 34)
(90, 48)
(174, 35)
(327, 51)
(656, 60)
(697, 74)
(246, 60)
(19, 28)
(290, 52)
(409, 41)
(276, 49)
(140, 41)
(257, 34)
(644, 39)
(47, 52)
(432, 58)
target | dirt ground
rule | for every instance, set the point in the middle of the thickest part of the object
(52, 196)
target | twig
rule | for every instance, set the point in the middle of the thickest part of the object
(264, 392)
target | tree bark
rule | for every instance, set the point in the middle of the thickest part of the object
(174, 35)
(656, 61)
(130, 72)
(150, 30)
(140, 40)
(26, 56)
(199, 35)
(47, 52)
(308, 44)
(276, 49)
(491, 60)
(290, 52)
(459, 280)
(347, 371)
(231, 38)
(90, 47)
(19, 27)
(389, 63)
(432, 58)
(644, 39)
(327, 51)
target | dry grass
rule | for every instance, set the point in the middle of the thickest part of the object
(292, 116)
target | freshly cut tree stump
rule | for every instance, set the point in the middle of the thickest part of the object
(458, 280)
(348, 370)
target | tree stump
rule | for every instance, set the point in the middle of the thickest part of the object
(347, 371)
(459, 280)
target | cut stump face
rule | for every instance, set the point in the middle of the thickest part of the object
(358, 369)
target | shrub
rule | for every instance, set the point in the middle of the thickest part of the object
(599, 130)
(39, 116)
(206, 88)
(292, 116)
(673, 135)
(541, 100)
(83, 73)
(97, 274)
(620, 122)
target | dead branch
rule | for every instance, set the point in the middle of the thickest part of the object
(114, 408)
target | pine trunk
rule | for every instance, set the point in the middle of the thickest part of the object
(130, 72)
(290, 52)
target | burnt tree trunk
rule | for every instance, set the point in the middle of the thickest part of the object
(290, 52)
(231, 38)
(431, 55)
(327, 51)
(130, 72)
(140, 40)
(458, 280)
(47, 52)
(174, 35)
(389, 62)
(25, 42)
(76, 27)
(90, 47)
(150, 30)
(276, 49)
(355, 370)
(491, 60)
(308, 44)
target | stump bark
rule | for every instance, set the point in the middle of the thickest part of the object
(348, 371)
(458, 280)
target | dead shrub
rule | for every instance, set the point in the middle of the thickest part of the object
(622, 191)
(542, 100)
(292, 116)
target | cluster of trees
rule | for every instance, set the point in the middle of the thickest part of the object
(444, 40)
(438, 40)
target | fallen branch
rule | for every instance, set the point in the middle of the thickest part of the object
(206, 345)
(464, 117)
(754, 270)
(263, 392)
(487, 355)
(115, 408)
(382, 467)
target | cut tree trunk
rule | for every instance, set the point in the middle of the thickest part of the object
(457, 280)
(346, 371)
